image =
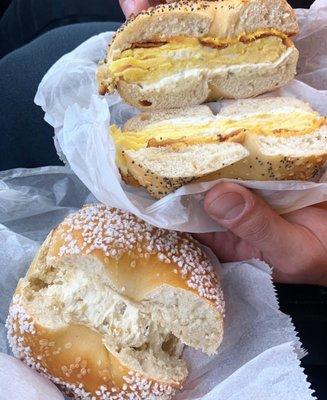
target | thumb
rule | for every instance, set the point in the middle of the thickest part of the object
(130, 7)
(252, 220)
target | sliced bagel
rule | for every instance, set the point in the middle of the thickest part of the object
(185, 53)
(295, 150)
(162, 170)
(162, 160)
(257, 139)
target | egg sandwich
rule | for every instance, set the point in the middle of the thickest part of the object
(252, 139)
(189, 52)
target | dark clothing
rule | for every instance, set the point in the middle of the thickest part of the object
(26, 139)
(32, 18)
(307, 305)
(25, 20)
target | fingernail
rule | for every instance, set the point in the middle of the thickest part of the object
(129, 7)
(227, 206)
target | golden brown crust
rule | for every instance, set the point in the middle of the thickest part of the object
(139, 258)
(133, 239)
(270, 168)
(64, 356)
(129, 179)
(255, 167)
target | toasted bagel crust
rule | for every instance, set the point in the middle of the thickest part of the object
(140, 261)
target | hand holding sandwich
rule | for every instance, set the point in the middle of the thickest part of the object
(295, 244)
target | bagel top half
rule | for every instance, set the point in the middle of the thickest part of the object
(186, 52)
(108, 303)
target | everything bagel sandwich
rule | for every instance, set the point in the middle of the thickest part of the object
(108, 303)
(188, 52)
(253, 139)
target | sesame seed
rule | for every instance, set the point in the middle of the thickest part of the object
(135, 386)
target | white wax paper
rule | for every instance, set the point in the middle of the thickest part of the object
(68, 95)
(18, 382)
(258, 356)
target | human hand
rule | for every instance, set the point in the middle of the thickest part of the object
(294, 244)
(135, 6)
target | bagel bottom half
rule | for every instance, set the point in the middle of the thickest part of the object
(108, 303)
(278, 138)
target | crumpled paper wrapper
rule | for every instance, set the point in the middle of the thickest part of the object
(68, 95)
(18, 381)
(258, 358)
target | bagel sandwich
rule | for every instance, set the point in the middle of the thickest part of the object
(275, 138)
(108, 304)
(188, 52)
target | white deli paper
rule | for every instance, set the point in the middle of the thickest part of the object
(19, 382)
(258, 356)
(68, 95)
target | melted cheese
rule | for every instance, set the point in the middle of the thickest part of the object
(149, 64)
(215, 128)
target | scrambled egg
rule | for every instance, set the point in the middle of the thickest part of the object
(150, 63)
(282, 124)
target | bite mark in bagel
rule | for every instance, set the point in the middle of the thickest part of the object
(108, 303)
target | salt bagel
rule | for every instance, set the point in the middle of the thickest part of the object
(108, 303)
